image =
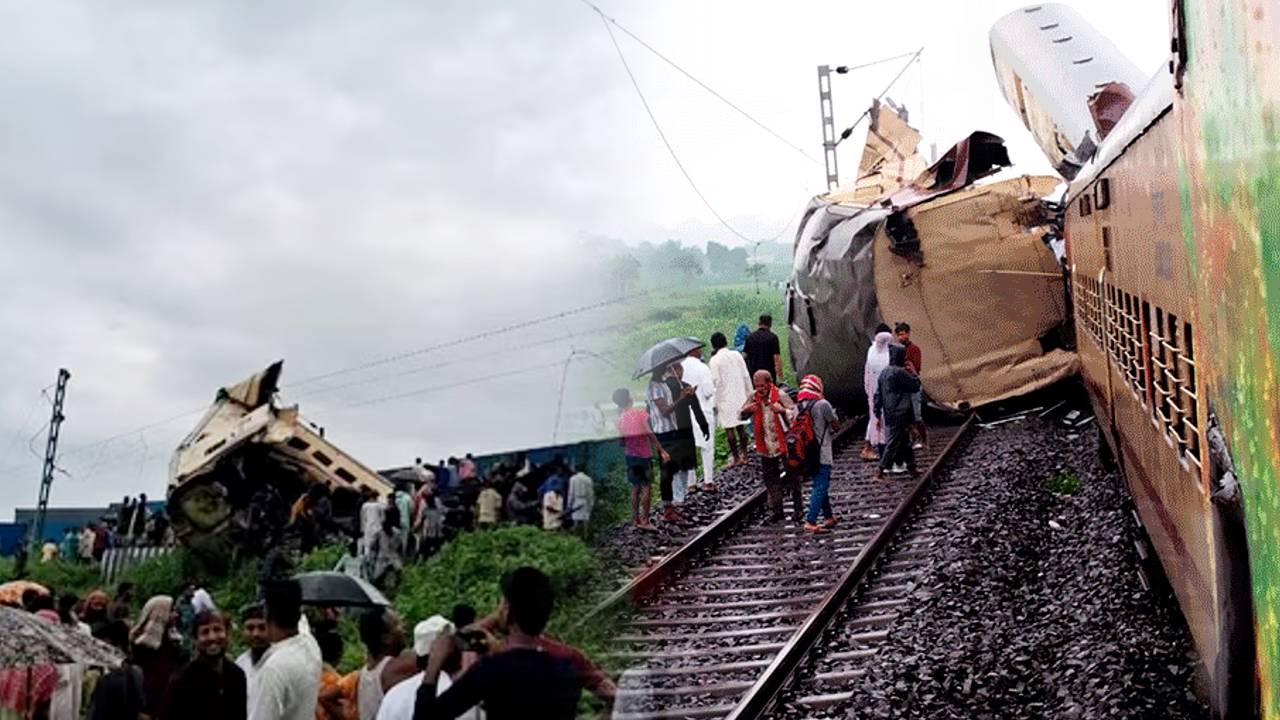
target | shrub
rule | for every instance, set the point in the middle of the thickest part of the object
(64, 576)
(324, 557)
(6, 569)
(467, 571)
(1063, 482)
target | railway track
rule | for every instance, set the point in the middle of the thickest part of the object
(722, 624)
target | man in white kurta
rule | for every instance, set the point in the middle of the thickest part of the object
(697, 374)
(733, 388)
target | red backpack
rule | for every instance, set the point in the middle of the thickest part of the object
(802, 442)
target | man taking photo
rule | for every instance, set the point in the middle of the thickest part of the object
(526, 676)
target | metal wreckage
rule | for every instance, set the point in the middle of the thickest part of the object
(969, 260)
(249, 459)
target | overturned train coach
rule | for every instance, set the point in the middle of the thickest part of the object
(1172, 233)
(968, 263)
(247, 448)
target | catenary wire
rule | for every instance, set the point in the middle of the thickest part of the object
(700, 83)
(663, 136)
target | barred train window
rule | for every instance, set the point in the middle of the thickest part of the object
(1175, 405)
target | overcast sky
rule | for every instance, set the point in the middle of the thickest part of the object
(189, 191)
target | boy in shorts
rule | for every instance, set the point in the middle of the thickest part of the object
(638, 442)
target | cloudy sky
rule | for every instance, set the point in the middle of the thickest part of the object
(189, 191)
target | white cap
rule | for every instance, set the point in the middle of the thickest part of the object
(425, 632)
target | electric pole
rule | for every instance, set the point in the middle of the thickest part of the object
(51, 452)
(828, 126)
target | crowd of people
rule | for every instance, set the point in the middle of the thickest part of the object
(421, 513)
(132, 525)
(738, 390)
(177, 664)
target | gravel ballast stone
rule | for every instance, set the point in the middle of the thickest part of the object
(1017, 618)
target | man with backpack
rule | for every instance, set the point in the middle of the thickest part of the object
(768, 409)
(809, 450)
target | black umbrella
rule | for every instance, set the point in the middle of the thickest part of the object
(664, 353)
(336, 589)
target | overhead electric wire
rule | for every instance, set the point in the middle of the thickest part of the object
(460, 383)
(663, 135)
(699, 83)
(914, 57)
(377, 362)
(435, 366)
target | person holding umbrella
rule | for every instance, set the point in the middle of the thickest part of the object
(662, 407)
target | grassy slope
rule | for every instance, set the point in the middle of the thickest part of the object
(699, 312)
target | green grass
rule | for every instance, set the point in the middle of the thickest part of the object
(1063, 482)
(699, 312)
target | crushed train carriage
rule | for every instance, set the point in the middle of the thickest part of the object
(939, 248)
(246, 444)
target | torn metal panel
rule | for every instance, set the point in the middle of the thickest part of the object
(1049, 62)
(246, 443)
(983, 294)
(947, 256)
(890, 157)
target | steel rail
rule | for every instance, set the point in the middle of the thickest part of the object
(776, 676)
(648, 582)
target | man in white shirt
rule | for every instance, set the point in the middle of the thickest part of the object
(697, 374)
(579, 501)
(287, 685)
(253, 626)
(398, 703)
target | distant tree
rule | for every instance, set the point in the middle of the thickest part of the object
(624, 271)
(756, 271)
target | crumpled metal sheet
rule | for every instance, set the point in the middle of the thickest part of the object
(979, 331)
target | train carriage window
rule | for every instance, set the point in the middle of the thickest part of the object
(1159, 371)
(1106, 247)
(1192, 401)
(1176, 414)
(1086, 206)
(1102, 194)
(813, 321)
(791, 306)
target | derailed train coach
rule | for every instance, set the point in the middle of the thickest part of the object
(249, 458)
(966, 258)
(1173, 247)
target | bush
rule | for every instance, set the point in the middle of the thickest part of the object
(64, 576)
(6, 569)
(1064, 482)
(324, 557)
(467, 571)
(157, 576)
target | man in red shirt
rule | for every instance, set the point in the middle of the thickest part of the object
(913, 363)
(638, 442)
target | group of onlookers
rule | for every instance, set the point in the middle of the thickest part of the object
(738, 390)
(415, 519)
(177, 664)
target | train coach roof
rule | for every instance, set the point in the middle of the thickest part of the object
(1155, 100)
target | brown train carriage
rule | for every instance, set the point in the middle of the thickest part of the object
(1130, 281)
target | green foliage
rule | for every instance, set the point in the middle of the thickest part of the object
(64, 576)
(324, 557)
(158, 576)
(6, 569)
(1063, 482)
(467, 571)
(468, 568)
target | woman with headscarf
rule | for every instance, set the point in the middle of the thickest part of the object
(823, 418)
(95, 609)
(877, 361)
(156, 649)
